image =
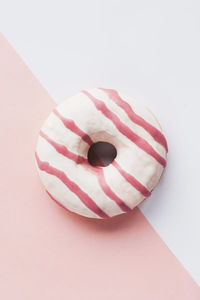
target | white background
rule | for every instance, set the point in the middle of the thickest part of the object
(148, 49)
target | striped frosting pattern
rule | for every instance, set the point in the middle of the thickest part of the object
(92, 116)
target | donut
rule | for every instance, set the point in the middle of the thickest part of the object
(100, 153)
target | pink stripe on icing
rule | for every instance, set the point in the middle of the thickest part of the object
(153, 131)
(97, 171)
(132, 180)
(73, 187)
(107, 190)
(63, 150)
(70, 124)
(126, 131)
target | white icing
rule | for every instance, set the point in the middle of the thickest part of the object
(133, 126)
(77, 173)
(130, 157)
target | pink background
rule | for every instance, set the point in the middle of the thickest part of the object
(47, 253)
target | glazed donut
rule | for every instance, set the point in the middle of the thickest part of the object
(90, 186)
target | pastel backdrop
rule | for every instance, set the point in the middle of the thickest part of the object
(47, 253)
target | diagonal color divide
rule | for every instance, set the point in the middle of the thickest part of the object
(47, 253)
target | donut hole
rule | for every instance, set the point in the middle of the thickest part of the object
(101, 154)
